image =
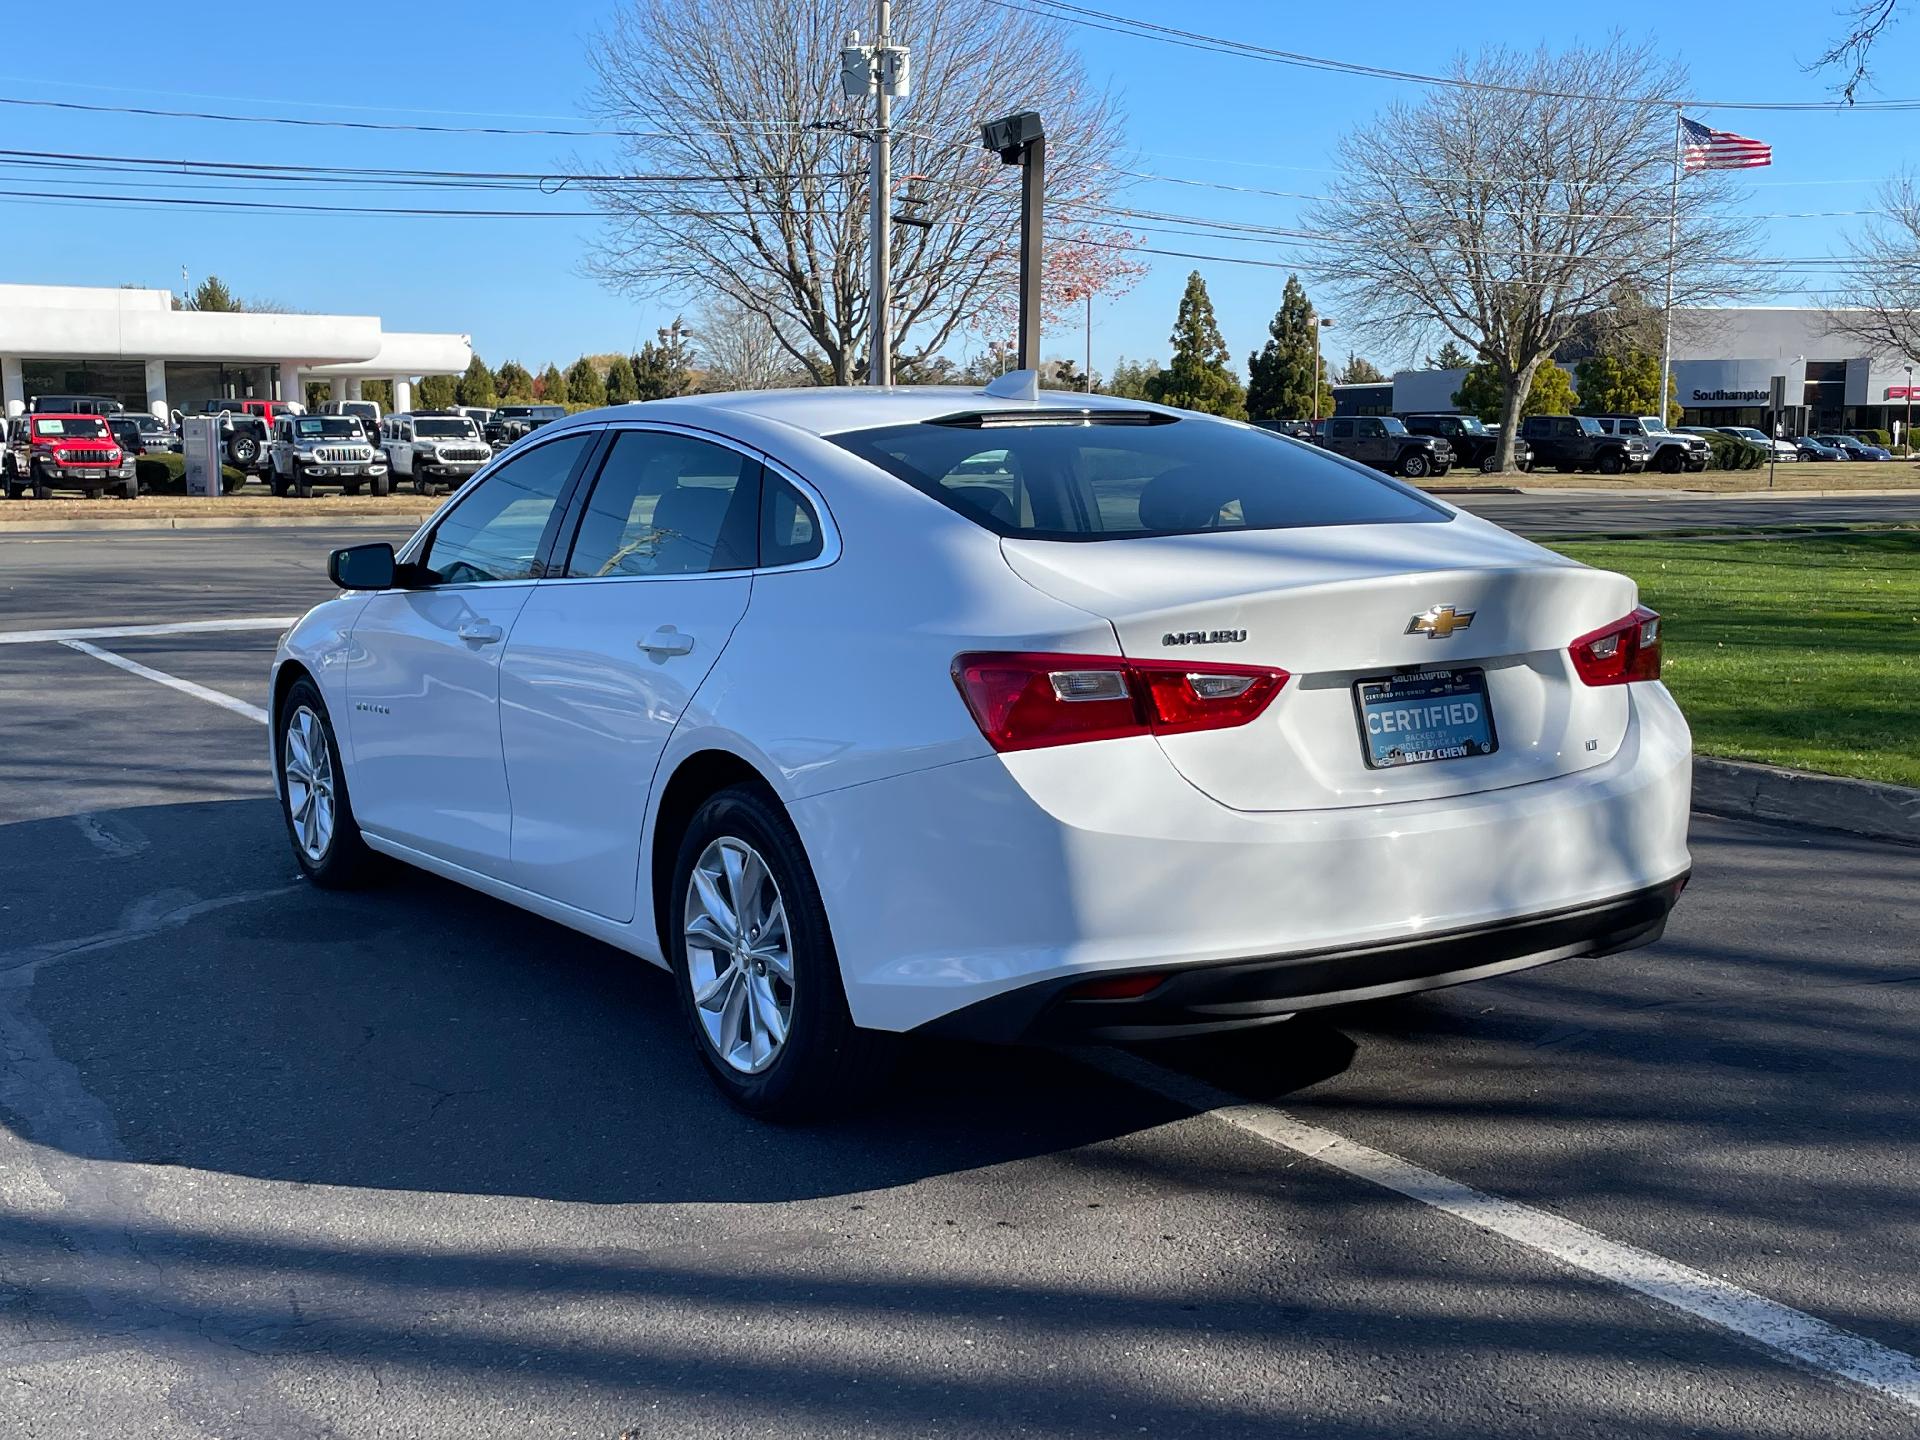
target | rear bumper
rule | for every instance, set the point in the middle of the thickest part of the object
(1211, 998)
(951, 886)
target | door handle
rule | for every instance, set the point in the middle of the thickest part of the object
(480, 632)
(666, 641)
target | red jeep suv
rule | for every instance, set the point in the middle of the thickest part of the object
(72, 452)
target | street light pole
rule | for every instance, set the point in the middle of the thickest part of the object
(1319, 322)
(1088, 379)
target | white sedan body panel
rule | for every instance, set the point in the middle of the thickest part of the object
(585, 714)
(424, 709)
(532, 766)
(978, 878)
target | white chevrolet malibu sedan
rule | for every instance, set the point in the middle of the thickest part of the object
(989, 713)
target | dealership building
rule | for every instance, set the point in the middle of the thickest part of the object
(133, 346)
(1724, 363)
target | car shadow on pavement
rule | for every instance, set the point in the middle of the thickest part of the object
(419, 1036)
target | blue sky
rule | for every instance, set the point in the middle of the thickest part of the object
(516, 286)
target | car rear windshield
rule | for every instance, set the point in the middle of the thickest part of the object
(441, 429)
(1116, 480)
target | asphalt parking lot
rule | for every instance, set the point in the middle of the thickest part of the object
(283, 1163)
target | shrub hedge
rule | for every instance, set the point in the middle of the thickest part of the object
(166, 474)
(1730, 452)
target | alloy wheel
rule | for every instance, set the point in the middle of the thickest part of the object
(739, 955)
(306, 762)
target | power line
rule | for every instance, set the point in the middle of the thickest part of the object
(1093, 19)
(151, 112)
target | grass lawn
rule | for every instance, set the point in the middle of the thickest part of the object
(1804, 653)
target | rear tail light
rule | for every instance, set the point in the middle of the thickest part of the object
(1025, 700)
(1626, 650)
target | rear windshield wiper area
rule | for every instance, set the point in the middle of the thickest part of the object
(999, 419)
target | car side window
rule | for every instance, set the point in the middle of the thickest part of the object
(1371, 429)
(495, 532)
(1339, 429)
(789, 528)
(668, 504)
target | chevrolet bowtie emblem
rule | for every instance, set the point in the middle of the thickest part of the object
(1439, 622)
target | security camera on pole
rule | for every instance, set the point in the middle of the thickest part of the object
(1020, 139)
(883, 71)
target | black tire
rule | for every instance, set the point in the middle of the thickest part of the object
(279, 484)
(345, 861)
(130, 488)
(302, 487)
(1490, 465)
(1612, 462)
(41, 489)
(422, 486)
(1672, 461)
(243, 450)
(1413, 465)
(827, 1064)
(380, 484)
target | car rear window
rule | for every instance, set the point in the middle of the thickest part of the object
(1106, 481)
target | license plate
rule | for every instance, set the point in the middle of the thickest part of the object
(87, 472)
(1427, 715)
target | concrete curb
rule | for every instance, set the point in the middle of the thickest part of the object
(213, 522)
(1765, 792)
(1549, 492)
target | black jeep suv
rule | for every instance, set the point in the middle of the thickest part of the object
(1579, 442)
(1470, 440)
(1384, 443)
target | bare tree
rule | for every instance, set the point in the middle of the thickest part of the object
(742, 99)
(1509, 209)
(1880, 299)
(1866, 21)
(742, 350)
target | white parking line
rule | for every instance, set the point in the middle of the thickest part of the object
(121, 632)
(185, 687)
(1791, 1333)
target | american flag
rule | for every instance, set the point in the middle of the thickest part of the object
(1704, 149)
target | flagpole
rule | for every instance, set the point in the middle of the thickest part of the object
(1673, 245)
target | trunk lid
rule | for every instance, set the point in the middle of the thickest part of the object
(1332, 606)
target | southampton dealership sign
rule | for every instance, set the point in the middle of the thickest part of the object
(1734, 397)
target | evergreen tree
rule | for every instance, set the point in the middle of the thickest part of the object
(1624, 381)
(437, 392)
(551, 386)
(1359, 371)
(212, 295)
(476, 386)
(513, 381)
(585, 385)
(1131, 378)
(1483, 394)
(1451, 357)
(621, 386)
(1198, 377)
(378, 391)
(1280, 375)
(664, 366)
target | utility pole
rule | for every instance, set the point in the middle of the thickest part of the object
(879, 286)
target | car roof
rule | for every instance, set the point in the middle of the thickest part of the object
(65, 415)
(834, 409)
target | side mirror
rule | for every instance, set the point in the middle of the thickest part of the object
(362, 567)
